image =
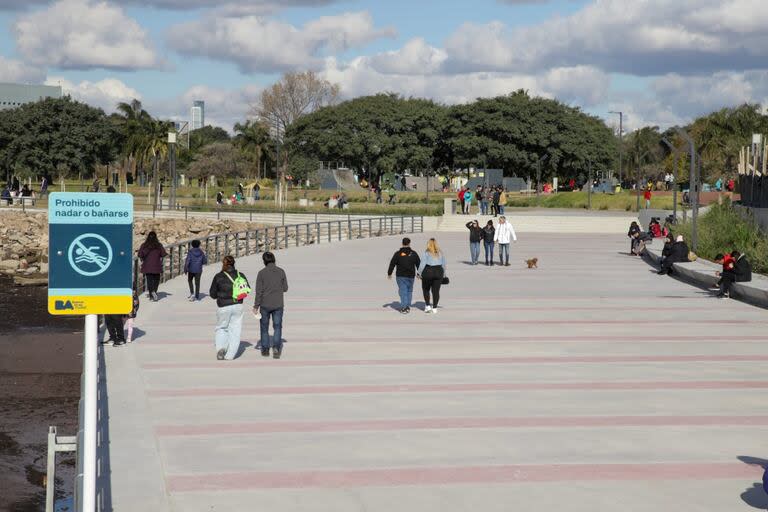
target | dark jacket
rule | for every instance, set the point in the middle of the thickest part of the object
(406, 261)
(679, 252)
(495, 197)
(634, 231)
(475, 233)
(196, 258)
(271, 284)
(667, 250)
(742, 270)
(152, 259)
(221, 288)
(489, 233)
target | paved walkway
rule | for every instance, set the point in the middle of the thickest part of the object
(589, 384)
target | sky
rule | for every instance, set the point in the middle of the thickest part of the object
(661, 62)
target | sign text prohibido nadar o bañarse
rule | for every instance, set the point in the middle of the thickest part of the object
(90, 253)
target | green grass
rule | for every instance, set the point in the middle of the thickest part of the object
(722, 229)
(354, 208)
(625, 201)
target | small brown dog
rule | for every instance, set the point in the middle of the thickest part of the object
(532, 263)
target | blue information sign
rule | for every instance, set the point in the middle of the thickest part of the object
(90, 253)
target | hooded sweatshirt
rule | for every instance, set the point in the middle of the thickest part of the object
(406, 261)
(196, 258)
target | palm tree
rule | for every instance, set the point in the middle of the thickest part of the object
(252, 139)
(155, 147)
(134, 124)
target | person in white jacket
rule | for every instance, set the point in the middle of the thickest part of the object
(505, 234)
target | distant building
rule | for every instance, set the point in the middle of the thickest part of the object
(198, 115)
(16, 95)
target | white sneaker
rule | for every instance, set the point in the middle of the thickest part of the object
(434, 311)
(427, 309)
(191, 298)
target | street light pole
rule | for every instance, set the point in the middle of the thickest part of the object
(621, 143)
(694, 189)
(172, 168)
(589, 184)
(677, 152)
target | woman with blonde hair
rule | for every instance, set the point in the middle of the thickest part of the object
(432, 272)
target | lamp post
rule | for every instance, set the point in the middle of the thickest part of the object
(677, 153)
(589, 183)
(637, 179)
(172, 167)
(694, 188)
(538, 176)
(621, 144)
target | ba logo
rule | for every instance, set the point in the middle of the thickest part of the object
(62, 305)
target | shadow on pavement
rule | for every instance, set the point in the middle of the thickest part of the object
(103, 468)
(756, 496)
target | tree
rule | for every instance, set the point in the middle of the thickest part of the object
(281, 104)
(221, 159)
(253, 140)
(52, 135)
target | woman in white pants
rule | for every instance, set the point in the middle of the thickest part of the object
(505, 235)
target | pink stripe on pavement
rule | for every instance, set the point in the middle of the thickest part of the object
(468, 361)
(453, 388)
(484, 339)
(455, 423)
(336, 479)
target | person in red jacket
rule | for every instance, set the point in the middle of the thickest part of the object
(151, 254)
(727, 261)
(647, 196)
(460, 197)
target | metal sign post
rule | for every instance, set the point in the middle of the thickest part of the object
(90, 273)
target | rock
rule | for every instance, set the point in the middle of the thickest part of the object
(9, 265)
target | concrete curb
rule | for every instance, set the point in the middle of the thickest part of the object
(701, 273)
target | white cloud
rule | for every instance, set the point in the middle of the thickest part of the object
(16, 71)
(105, 94)
(250, 6)
(258, 44)
(223, 107)
(84, 34)
(648, 37)
(416, 57)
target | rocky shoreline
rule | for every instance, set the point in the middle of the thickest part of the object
(24, 240)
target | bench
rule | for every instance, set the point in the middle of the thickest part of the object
(702, 273)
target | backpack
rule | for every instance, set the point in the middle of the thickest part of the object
(240, 288)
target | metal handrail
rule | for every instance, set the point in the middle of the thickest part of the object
(254, 241)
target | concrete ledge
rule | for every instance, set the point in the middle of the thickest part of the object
(702, 273)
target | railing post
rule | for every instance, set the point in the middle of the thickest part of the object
(329, 231)
(170, 266)
(237, 245)
(218, 213)
(298, 236)
(216, 243)
(186, 212)
(247, 242)
(317, 228)
(339, 223)
(285, 236)
(277, 239)
(226, 244)
(250, 215)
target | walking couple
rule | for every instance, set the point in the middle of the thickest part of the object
(503, 234)
(430, 269)
(230, 289)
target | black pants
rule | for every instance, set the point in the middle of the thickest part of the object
(726, 282)
(115, 327)
(196, 278)
(431, 280)
(495, 209)
(153, 282)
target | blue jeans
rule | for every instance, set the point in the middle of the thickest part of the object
(488, 246)
(229, 323)
(474, 251)
(503, 253)
(405, 289)
(484, 208)
(501, 209)
(277, 324)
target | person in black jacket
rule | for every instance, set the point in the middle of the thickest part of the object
(667, 249)
(678, 254)
(406, 261)
(229, 317)
(634, 234)
(739, 271)
(475, 236)
(489, 233)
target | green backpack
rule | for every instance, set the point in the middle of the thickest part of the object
(240, 288)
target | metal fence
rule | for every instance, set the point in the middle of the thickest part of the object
(753, 190)
(245, 243)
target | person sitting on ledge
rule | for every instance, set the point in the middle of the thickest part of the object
(726, 260)
(678, 254)
(740, 272)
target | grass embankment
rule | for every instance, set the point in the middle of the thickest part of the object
(626, 201)
(722, 229)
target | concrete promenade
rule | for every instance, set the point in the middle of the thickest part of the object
(588, 384)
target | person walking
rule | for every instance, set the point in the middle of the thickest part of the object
(151, 254)
(505, 234)
(502, 201)
(431, 272)
(647, 196)
(229, 288)
(406, 261)
(193, 267)
(482, 200)
(461, 199)
(114, 325)
(495, 198)
(475, 236)
(467, 201)
(489, 233)
(271, 285)
(256, 192)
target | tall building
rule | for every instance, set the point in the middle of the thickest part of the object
(198, 115)
(16, 95)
